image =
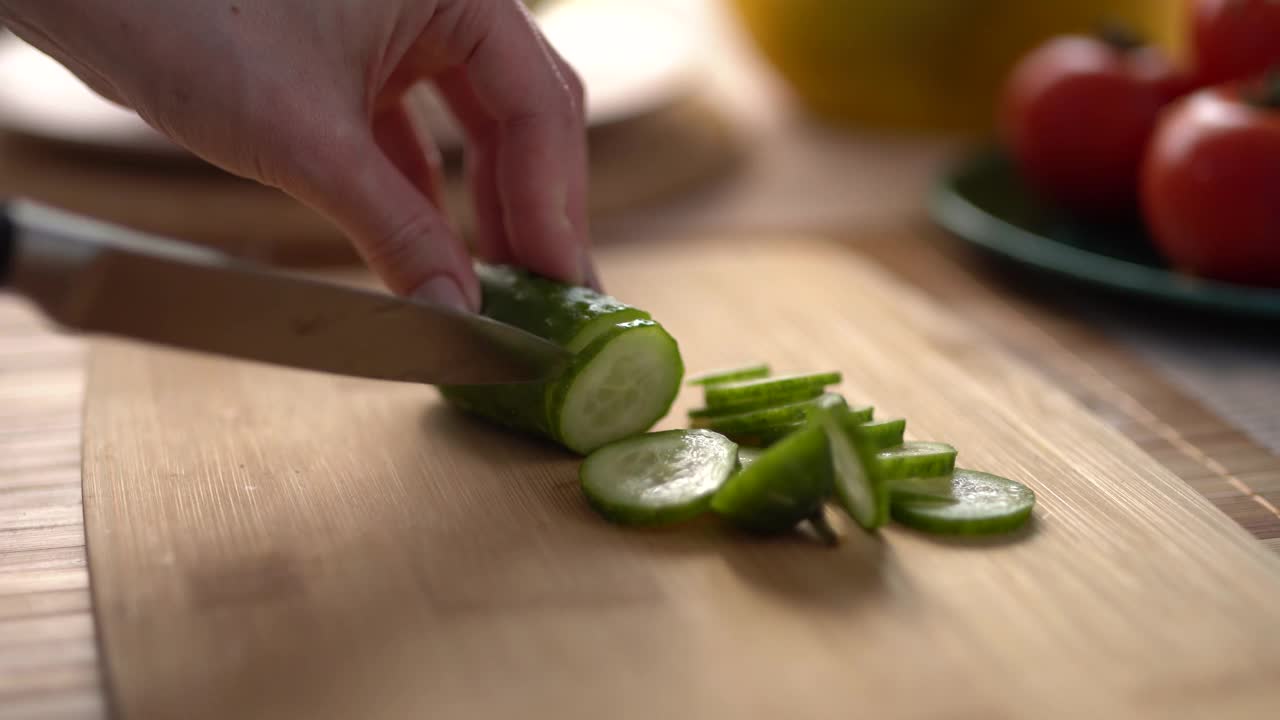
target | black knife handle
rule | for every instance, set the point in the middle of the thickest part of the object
(8, 244)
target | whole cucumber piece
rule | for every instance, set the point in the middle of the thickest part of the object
(623, 379)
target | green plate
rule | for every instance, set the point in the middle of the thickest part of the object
(982, 201)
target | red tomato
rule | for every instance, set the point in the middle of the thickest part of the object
(1077, 114)
(1211, 184)
(1234, 39)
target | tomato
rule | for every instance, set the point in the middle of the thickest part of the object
(1211, 184)
(1077, 114)
(1234, 39)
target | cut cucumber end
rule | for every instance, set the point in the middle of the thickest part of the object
(627, 382)
(658, 479)
(982, 504)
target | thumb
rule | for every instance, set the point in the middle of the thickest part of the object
(403, 238)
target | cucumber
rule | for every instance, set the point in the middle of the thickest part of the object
(566, 315)
(770, 417)
(883, 434)
(624, 376)
(860, 492)
(785, 485)
(747, 455)
(658, 479)
(915, 459)
(935, 488)
(715, 377)
(768, 392)
(705, 416)
(765, 437)
(981, 504)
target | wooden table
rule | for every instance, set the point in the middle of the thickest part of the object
(864, 190)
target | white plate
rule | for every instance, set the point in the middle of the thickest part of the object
(634, 58)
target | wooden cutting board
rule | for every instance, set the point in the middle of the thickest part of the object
(269, 543)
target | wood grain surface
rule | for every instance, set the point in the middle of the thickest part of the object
(48, 661)
(268, 543)
(1050, 326)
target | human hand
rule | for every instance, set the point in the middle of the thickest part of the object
(306, 96)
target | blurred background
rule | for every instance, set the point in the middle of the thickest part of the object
(856, 119)
(684, 94)
(873, 123)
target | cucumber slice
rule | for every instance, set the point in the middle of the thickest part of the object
(921, 489)
(748, 455)
(785, 485)
(715, 377)
(982, 504)
(658, 479)
(765, 437)
(859, 491)
(704, 416)
(915, 459)
(770, 417)
(768, 392)
(884, 434)
(623, 379)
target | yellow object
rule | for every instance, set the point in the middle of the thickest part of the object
(925, 64)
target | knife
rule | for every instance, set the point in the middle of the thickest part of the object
(92, 277)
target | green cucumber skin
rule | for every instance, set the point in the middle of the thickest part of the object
(769, 392)
(773, 416)
(764, 437)
(922, 489)
(521, 407)
(621, 513)
(883, 434)
(767, 435)
(747, 455)
(565, 315)
(892, 464)
(781, 487)
(715, 377)
(966, 516)
(768, 418)
(547, 308)
(854, 427)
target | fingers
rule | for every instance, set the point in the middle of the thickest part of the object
(400, 234)
(492, 243)
(578, 210)
(535, 136)
(414, 153)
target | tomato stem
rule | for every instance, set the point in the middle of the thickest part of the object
(1119, 36)
(1266, 94)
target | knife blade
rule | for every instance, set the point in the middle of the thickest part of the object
(93, 277)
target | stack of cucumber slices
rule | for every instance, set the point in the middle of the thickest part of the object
(768, 453)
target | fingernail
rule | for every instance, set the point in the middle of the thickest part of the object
(443, 290)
